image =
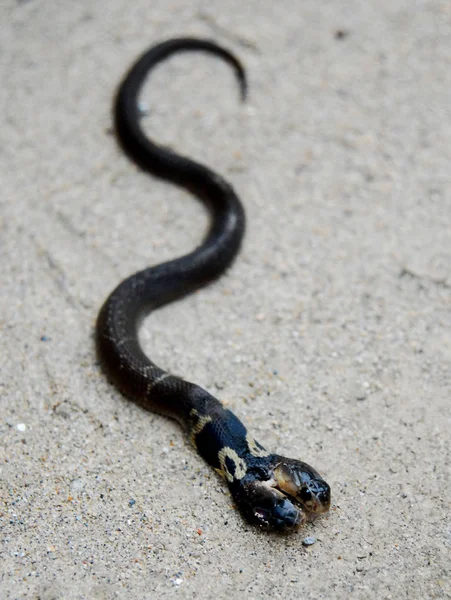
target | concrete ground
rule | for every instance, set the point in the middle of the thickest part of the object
(329, 337)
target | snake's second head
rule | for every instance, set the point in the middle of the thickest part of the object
(301, 482)
(282, 502)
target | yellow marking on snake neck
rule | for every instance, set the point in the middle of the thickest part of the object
(240, 464)
(155, 382)
(198, 426)
(254, 448)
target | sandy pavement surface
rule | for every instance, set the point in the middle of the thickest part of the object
(329, 337)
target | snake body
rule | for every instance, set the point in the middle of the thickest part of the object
(269, 490)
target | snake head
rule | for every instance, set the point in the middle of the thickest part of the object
(264, 505)
(282, 495)
(302, 483)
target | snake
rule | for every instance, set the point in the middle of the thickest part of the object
(270, 491)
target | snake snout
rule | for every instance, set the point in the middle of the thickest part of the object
(323, 498)
(315, 496)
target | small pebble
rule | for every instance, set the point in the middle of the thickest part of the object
(143, 108)
(309, 541)
(131, 502)
(77, 485)
(21, 427)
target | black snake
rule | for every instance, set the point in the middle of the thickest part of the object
(270, 490)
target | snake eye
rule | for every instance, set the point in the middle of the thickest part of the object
(305, 496)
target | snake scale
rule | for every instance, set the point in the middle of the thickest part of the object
(271, 491)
